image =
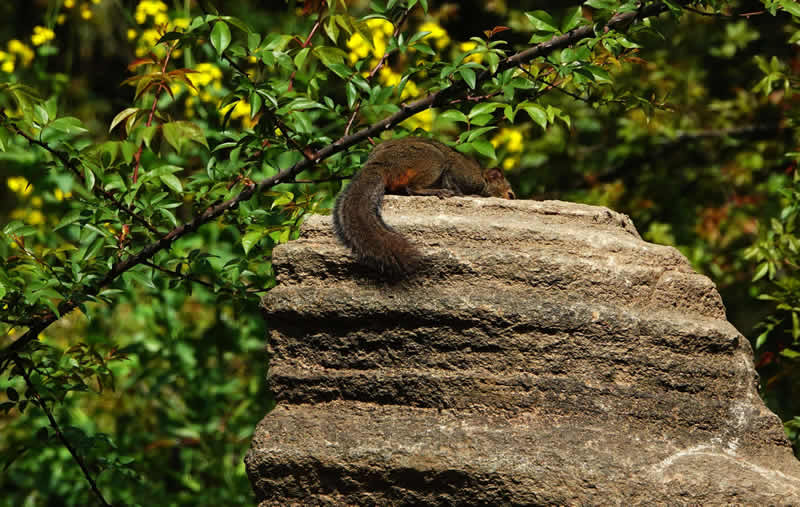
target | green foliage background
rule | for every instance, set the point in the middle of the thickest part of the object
(687, 122)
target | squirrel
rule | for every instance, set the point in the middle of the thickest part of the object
(411, 166)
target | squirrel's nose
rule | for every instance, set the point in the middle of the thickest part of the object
(511, 195)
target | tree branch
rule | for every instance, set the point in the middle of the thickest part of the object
(53, 424)
(443, 96)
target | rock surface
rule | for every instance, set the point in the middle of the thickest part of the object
(544, 355)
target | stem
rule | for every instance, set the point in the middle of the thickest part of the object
(53, 424)
(443, 96)
(378, 66)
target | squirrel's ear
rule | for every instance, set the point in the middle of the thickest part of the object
(494, 174)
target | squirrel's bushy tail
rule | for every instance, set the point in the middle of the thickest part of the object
(358, 224)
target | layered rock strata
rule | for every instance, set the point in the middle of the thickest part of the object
(545, 354)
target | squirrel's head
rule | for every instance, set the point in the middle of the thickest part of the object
(497, 185)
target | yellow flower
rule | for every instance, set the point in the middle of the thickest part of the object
(61, 19)
(69, 4)
(181, 23)
(36, 202)
(132, 34)
(241, 111)
(240, 108)
(86, 12)
(146, 8)
(423, 119)
(149, 38)
(8, 66)
(96, 2)
(207, 73)
(468, 46)
(359, 48)
(41, 35)
(437, 33)
(389, 77)
(19, 185)
(19, 48)
(36, 217)
(510, 163)
(510, 137)
(60, 195)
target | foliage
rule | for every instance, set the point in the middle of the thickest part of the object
(139, 221)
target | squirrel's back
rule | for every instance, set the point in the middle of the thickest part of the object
(414, 166)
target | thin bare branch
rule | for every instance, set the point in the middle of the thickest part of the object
(443, 96)
(53, 424)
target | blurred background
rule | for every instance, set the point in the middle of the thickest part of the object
(688, 127)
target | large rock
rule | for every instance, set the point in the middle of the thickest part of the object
(544, 355)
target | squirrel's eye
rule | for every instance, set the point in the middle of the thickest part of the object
(511, 195)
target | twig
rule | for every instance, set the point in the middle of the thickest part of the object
(310, 36)
(332, 178)
(377, 67)
(77, 457)
(188, 278)
(455, 90)
(138, 155)
(723, 15)
(553, 85)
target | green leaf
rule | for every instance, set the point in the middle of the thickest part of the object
(13, 226)
(762, 270)
(5, 138)
(284, 199)
(251, 239)
(62, 129)
(179, 133)
(141, 278)
(601, 4)
(145, 135)
(69, 218)
(330, 55)
(220, 36)
(352, 93)
(542, 21)
(468, 75)
(484, 108)
(89, 174)
(68, 125)
(172, 182)
(485, 148)
(121, 116)
(761, 340)
(572, 19)
(791, 6)
(300, 57)
(253, 40)
(454, 115)
(537, 114)
(790, 354)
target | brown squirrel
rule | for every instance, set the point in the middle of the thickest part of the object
(411, 166)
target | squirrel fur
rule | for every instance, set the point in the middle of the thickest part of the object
(411, 166)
